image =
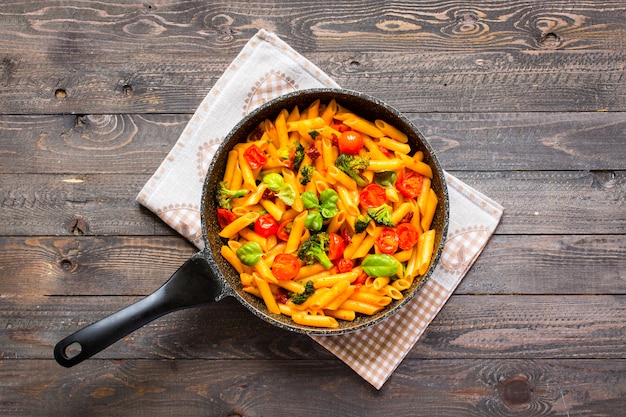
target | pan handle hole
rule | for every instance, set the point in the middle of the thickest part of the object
(72, 350)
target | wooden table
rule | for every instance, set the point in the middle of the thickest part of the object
(524, 101)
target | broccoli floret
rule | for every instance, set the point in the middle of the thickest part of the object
(306, 172)
(297, 156)
(223, 195)
(352, 165)
(361, 223)
(300, 298)
(314, 249)
(381, 215)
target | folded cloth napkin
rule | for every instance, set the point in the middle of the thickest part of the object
(266, 68)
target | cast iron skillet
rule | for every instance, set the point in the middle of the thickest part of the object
(207, 277)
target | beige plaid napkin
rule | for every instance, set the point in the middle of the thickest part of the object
(266, 68)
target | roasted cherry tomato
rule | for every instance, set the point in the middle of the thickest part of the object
(372, 196)
(266, 225)
(386, 151)
(350, 142)
(340, 126)
(285, 266)
(284, 229)
(255, 157)
(409, 183)
(344, 265)
(407, 236)
(387, 241)
(360, 280)
(225, 217)
(336, 246)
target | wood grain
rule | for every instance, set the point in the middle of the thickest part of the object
(495, 59)
(354, 25)
(463, 141)
(469, 326)
(444, 387)
(463, 82)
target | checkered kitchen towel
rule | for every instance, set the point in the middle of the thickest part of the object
(266, 68)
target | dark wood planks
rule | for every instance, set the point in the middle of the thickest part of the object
(118, 265)
(475, 388)
(469, 327)
(494, 59)
(138, 143)
(422, 82)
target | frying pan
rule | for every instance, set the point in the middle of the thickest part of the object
(207, 277)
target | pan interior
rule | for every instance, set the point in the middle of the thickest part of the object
(363, 105)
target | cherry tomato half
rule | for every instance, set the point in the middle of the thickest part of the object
(409, 183)
(255, 157)
(266, 225)
(336, 246)
(285, 266)
(350, 142)
(372, 196)
(225, 217)
(387, 241)
(344, 265)
(407, 236)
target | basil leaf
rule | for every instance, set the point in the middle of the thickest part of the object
(273, 181)
(314, 221)
(249, 253)
(329, 210)
(309, 199)
(380, 265)
(385, 178)
(287, 194)
(329, 196)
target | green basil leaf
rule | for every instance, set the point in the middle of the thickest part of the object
(314, 221)
(329, 196)
(309, 199)
(287, 194)
(385, 178)
(380, 265)
(273, 181)
(329, 210)
(249, 253)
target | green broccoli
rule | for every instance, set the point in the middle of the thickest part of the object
(314, 249)
(361, 223)
(353, 165)
(297, 156)
(223, 195)
(293, 155)
(300, 298)
(381, 215)
(306, 172)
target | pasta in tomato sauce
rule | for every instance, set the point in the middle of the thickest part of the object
(326, 215)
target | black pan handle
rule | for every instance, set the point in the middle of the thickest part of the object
(193, 284)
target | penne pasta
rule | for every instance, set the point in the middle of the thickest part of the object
(315, 320)
(266, 294)
(233, 228)
(394, 145)
(269, 234)
(391, 131)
